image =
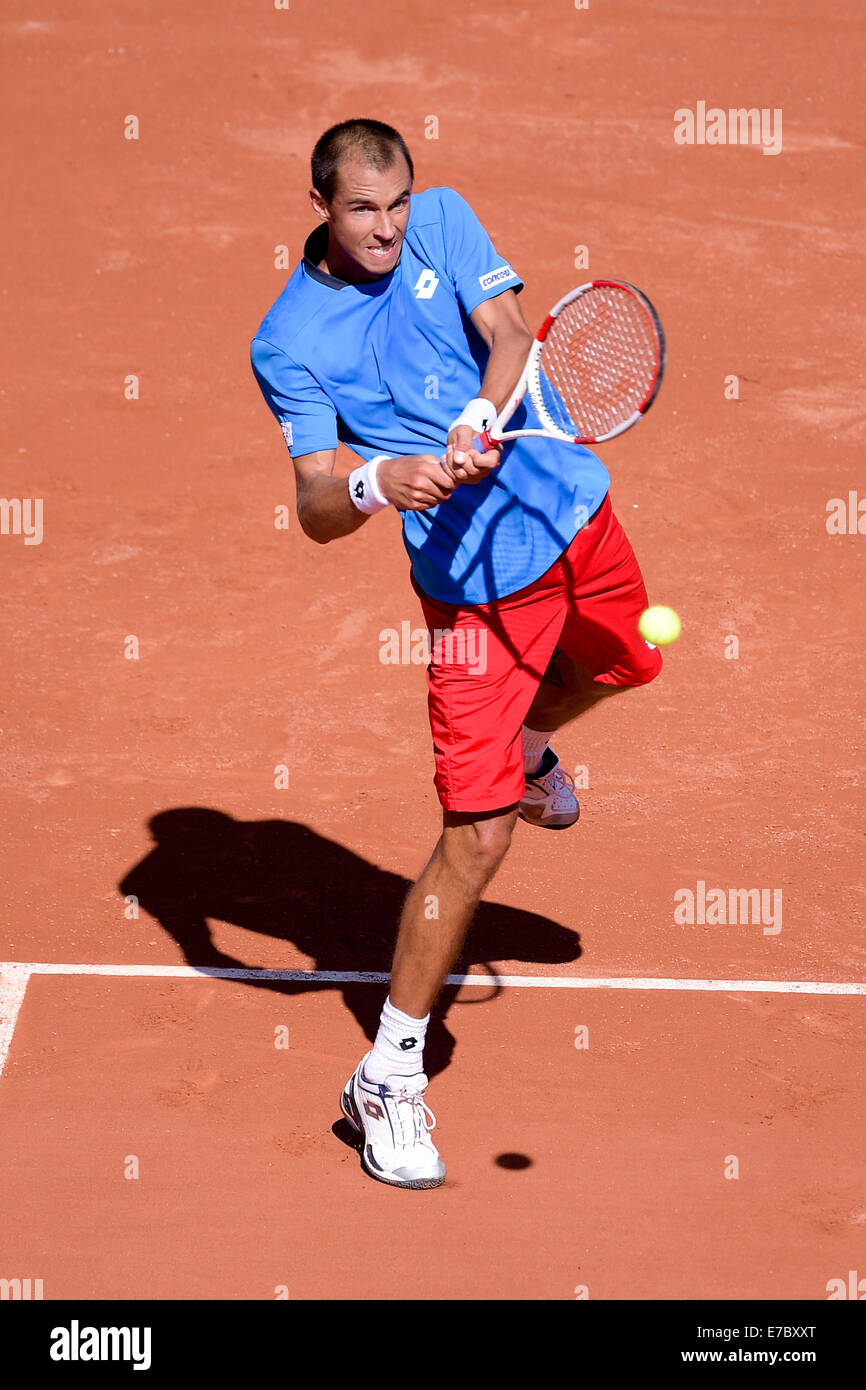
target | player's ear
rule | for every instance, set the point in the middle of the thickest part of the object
(320, 207)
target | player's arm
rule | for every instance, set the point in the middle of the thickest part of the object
(326, 510)
(501, 324)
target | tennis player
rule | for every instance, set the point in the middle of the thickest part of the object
(400, 333)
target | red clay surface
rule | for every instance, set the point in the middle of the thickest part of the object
(156, 258)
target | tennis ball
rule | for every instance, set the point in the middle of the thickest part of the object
(659, 625)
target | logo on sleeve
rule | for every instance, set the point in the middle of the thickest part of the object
(495, 277)
(425, 285)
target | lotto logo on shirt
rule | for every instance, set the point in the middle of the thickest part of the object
(425, 285)
(494, 277)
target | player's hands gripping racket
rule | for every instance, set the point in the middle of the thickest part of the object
(593, 370)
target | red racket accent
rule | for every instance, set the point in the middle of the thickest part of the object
(488, 441)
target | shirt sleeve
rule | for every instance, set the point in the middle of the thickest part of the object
(475, 268)
(306, 416)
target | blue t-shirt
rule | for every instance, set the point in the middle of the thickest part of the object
(387, 366)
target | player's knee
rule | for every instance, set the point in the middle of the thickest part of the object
(494, 841)
(484, 844)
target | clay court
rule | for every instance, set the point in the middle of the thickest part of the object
(215, 794)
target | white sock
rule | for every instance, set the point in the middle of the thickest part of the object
(534, 744)
(399, 1046)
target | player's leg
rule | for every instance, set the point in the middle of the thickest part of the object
(567, 690)
(485, 666)
(441, 904)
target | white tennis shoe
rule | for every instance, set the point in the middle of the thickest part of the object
(395, 1125)
(549, 799)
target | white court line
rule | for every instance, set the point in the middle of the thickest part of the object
(13, 987)
(14, 976)
(376, 977)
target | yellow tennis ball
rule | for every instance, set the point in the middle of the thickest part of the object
(659, 625)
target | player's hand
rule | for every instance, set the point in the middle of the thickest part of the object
(463, 463)
(414, 483)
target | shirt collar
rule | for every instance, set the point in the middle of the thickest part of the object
(315, 248)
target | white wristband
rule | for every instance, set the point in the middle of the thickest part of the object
(364, 487)
(478, 414)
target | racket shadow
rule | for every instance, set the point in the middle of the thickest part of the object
(283, 880)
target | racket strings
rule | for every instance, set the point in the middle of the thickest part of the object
(599, 362)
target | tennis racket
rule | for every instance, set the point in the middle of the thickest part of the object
(594, 368)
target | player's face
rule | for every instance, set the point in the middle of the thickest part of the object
(367, 218)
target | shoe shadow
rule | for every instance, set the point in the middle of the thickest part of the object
(283, 880)
(346, 1133)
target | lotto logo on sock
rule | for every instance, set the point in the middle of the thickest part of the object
(407, 1043)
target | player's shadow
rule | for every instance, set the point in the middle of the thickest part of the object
(284, 880)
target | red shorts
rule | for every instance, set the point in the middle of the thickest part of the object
(487, 661)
